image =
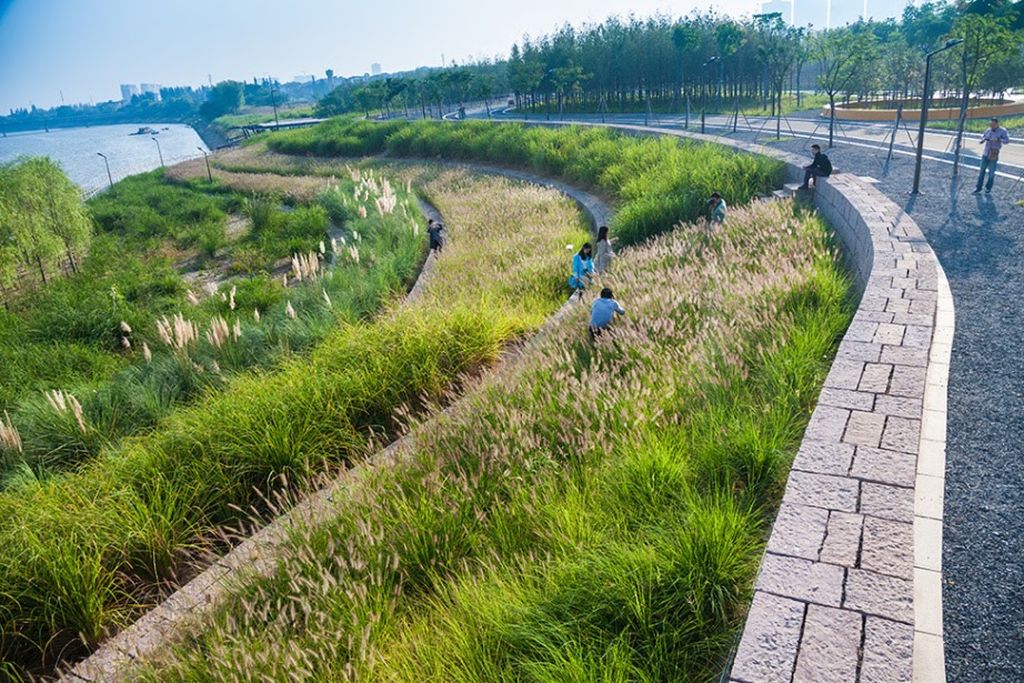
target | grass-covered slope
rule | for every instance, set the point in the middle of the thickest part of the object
(657, 182)
(82, 552)
(592, 513)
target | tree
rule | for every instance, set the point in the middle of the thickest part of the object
(841, 54)
(226, 97)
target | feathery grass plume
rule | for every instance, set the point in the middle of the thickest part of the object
(9, 438)
(353, 252)
(256, 314)
(177, 333)
(63, 403)
(284, 280)
(218, 332)
(327, 299)
(305, 266)
(192, 298)
(236, 330)
(125, 327)
(362, 211)
(323, 248)
(231, 297)
(146, 353)
(126, 344)
(290, 311)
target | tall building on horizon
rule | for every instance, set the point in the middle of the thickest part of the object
(375, 69)
(151, 89)
(128, 90)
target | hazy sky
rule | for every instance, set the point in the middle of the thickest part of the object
(88, 47)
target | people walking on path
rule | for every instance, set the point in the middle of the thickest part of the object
(434, 231)
(993, 140)
(603, 252)
(603, 312)
(718, 207)
(582, 269)
(820, 167)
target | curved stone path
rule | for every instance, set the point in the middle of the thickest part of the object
(256, 556)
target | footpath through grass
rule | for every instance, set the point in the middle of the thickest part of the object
(592, 513)
(655, 181)
(82, 553)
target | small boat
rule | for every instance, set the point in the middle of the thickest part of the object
(145, 130)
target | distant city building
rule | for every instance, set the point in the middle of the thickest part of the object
(150, 89)
(303, 78)
(375, 69)
(128, 90)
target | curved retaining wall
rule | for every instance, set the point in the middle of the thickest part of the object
(912, 112)
(256, 556)
(850, 585)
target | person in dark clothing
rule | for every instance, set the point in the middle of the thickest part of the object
(820, 167)
(434, 230)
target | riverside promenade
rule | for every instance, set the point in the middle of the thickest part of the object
(979, 241)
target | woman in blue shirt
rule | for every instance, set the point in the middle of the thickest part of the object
(582, 269)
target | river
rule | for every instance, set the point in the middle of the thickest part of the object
(75, 149)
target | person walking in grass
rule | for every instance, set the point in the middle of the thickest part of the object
(582, 269)
(820, 167)
(994, 138)
(603, 312)
(434, 230)
(718, 207)
(603, 252)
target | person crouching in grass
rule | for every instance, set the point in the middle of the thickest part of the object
(603, 312)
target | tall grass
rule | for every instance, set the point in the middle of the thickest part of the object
(71, 336)
(658, 182)
(81, 553)
(594, 512)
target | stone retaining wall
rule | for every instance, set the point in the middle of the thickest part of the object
(849, 588)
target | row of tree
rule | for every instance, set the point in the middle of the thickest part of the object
(667, 62)
(43, 222)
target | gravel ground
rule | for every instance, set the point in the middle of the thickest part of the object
(980, 242)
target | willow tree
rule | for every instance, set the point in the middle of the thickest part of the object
(42, 218)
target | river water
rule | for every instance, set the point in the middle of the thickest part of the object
(75, 149)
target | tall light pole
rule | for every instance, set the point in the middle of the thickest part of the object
(209, 173)
(704, 99)
(158, 151)
(925, 97)
(273, 101)
(110, 178)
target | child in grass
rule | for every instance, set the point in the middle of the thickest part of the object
(717, 206)
(603, 312)
(582, 269)
(603, 252)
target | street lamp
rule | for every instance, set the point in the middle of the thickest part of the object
(158, 151)
(110, 178)
(925, 96)
(704, 98)
(209, 173)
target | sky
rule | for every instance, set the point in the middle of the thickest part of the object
(83, 49)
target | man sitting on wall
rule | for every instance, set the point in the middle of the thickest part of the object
(820, 167)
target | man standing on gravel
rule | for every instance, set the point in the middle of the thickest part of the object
(994, 138)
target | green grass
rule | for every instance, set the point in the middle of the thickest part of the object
(80, 552)
(595, 513)
(979, 125)
(657, 182)
(253, 118)
(69, 334)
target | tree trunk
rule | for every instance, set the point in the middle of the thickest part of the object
(831, 117)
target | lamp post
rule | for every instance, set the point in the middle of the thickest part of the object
(110, 178)
(925, 97)
(209, 173)
(158, 151)
(273, 100)
(704, 92)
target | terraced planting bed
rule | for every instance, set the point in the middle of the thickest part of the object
(87, 549)
(595, 512)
